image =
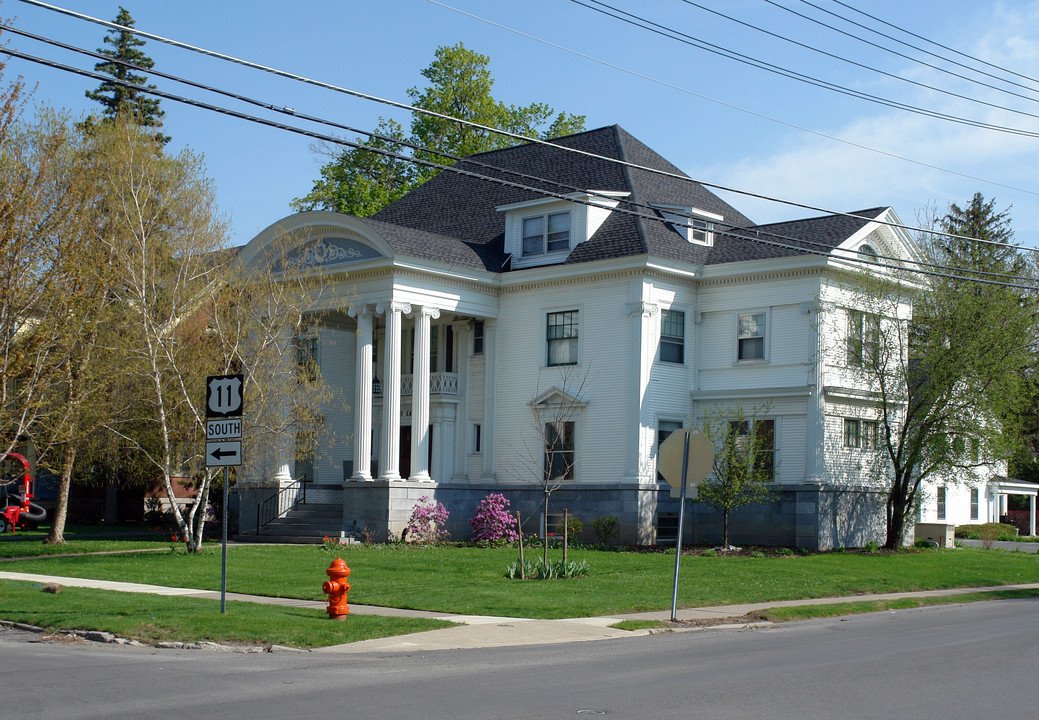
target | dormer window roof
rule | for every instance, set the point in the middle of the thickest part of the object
(693, 224)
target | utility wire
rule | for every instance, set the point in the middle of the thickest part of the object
(739, 233)
(863, 66)
(646, 210)
(903, 43)
(722, 103)
(486, 128)
(932, 42)
(672, 34)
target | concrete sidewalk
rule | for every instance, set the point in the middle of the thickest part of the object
(479, 631)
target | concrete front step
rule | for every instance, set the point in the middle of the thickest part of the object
(306, 523)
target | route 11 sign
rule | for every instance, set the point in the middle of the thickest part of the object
(224, 396)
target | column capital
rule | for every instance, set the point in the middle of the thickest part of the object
(393, 306)
(360, 309)
(424, 311)
(640, 307)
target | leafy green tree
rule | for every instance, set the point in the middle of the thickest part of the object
(744, 462)
(949, 368)
(359, 182)
(120, 95)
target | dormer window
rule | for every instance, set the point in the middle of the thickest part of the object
(696, 226)
(546, 234)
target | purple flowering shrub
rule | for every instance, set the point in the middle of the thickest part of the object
(493, 522)
(427, 520)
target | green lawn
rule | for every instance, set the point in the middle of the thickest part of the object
(151, 618)
(470, 580)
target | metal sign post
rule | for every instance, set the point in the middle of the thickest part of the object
(685, 459)
(224, 400)
(681, 528)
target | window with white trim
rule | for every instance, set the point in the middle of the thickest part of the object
(664, 430)
(560, 451)
(672, 336)
(544, 234)
(863, 338)
(750, 336)
(477, 432)
(762, 442)
(974, 503)
(561, 335)
(941, 503)
(861, 434)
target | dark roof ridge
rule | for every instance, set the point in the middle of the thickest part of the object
(857, 214)
(626, 169)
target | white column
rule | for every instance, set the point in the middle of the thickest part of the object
(462, 425)
(639, 362)
(391, 390)
(815, 406)
(363, 395)
(420, 396)
(285, 442)
(1031, 515)
(490, 391)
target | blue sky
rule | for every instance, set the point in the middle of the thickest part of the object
(718, 120)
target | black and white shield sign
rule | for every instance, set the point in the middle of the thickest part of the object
(224, 396)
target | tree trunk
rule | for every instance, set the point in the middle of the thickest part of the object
(57, 533)
(544, 551)
(725, 529)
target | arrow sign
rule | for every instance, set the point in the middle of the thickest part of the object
(223, 454)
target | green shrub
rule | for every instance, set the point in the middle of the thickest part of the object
(785, 552)
(605, 528)
(574, 526)
(757, 554)
(709, 552)
(987, 531)
(871, 547)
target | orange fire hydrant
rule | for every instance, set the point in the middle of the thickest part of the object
(336, 588)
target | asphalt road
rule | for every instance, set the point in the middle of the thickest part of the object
(961, 661)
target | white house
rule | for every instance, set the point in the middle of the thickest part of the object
(467, 313)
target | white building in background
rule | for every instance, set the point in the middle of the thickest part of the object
(628, 293)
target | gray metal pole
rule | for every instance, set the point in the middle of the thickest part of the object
(223, 552)
(681, 528)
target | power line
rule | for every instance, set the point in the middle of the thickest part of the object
(736, 232)
(486, 128)
(672, 34)
(863, 66)
(731, 106)
(931, 42)
(650, 211)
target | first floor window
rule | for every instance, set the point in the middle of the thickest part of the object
(941, 503)
(476, 437)
(750, 332)
(561, 335)
(667, 527)
(478, 337)
(761, 436)
(306, 358)
(664, 430)
(559, 451)
(864, 434)
(973, 503)
(672, 336)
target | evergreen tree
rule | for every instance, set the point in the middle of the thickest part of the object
(120, 94)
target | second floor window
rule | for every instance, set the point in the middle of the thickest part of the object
(561, 337)
(546, 233)
(863, 339)
(672, 336)
(750, 331)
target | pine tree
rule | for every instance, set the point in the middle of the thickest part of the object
(120, 94)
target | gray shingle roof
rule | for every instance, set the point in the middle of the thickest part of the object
(452, 217)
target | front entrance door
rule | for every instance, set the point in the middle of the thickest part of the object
(405, 451)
